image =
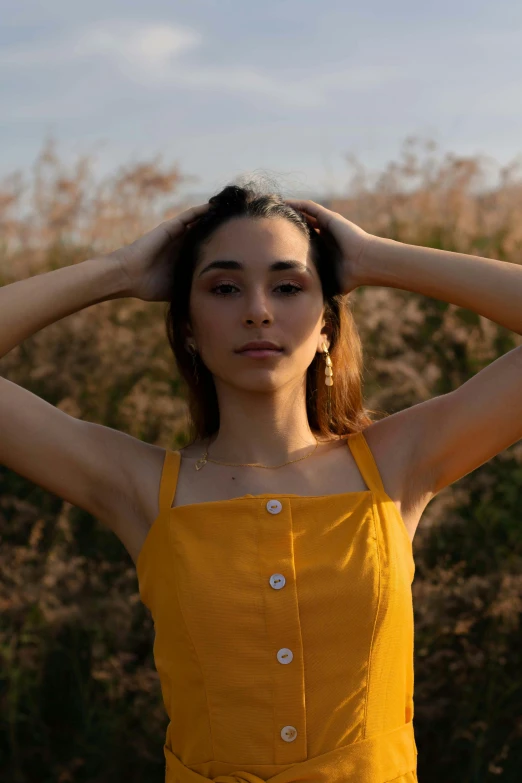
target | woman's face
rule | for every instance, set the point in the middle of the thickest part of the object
(245, 299)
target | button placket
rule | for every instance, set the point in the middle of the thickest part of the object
(283, 627)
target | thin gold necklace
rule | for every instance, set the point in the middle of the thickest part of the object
(205, 458)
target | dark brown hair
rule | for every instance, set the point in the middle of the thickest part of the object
(348, 414)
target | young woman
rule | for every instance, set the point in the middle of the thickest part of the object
(274, 551)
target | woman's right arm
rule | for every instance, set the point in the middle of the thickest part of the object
(76, 460)
(89, 465)
(29, 305)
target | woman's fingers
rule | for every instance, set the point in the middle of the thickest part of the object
(306, 206)
(310, 218)
(316, 212)
(299, 205)
(313, 223)
(193, 212)
(184, 219)
(190, 215)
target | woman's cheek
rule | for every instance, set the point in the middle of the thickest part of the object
(214, 323)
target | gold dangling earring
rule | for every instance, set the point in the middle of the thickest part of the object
(328, 379)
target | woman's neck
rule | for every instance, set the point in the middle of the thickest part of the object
(262, 428)
(266, 450)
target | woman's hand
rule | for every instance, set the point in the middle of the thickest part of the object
(351, 239)
(147, 263)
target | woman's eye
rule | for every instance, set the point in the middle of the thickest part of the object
(216, 288)
(290, 285)
(218, 292)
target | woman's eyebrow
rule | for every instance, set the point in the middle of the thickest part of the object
(274, 267)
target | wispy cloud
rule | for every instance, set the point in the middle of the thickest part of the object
(152, 47)
(152, 56)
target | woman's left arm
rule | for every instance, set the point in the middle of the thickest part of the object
(454, 433)
(486, 286)
(457, 432)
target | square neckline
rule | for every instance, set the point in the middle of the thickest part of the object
(274, 495)
(277, 494)
(373, 493)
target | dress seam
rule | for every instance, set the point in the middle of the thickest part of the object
(370, 655)
(392, 565)
(210, 712)
(300, 630)
(266, 635)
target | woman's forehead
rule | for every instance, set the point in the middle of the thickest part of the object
(256, 243)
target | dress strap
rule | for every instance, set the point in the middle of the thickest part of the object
(169, 479)
(365, 461)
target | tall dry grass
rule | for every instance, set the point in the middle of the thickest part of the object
(79, 697)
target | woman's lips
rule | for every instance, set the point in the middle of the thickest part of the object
(261, 353)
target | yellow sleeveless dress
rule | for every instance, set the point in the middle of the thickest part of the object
(283, 634)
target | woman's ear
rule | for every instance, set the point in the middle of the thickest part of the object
(190, 342)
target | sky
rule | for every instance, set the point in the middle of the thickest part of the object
(286, 87)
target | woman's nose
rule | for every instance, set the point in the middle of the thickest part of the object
(257, 310)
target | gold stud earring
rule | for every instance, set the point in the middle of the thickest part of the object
(328, 379)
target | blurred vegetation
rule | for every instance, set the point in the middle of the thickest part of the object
(79, 695)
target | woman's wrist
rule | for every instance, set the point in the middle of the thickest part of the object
(109, 278)
(375, 266)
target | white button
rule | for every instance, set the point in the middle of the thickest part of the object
(274, 506)
(289, 733)
(277, 581)
(284, 655)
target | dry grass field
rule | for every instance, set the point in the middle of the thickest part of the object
(79, 696)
